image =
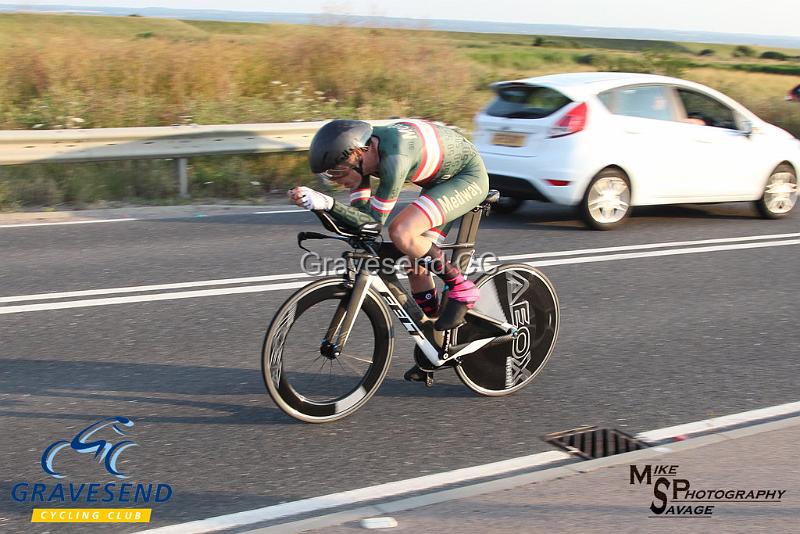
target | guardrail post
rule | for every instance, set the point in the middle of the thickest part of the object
(183, 178)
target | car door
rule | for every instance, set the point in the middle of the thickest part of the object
(724, 156)
(650, 140)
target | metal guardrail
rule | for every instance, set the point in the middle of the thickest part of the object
(18, 147)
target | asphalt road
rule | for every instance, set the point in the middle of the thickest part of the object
(646, 342)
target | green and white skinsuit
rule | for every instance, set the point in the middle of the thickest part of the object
(441, 161)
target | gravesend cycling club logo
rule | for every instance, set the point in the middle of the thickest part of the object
(676, 497)
(104, 451)
(98, 442)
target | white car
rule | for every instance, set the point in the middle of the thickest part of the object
(608, 141)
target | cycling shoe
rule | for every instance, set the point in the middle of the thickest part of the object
(460, 298)
(422, 370)
(415, 374)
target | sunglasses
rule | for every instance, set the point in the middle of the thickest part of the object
(340, 171)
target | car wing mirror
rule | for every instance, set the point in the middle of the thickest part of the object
(746, 127)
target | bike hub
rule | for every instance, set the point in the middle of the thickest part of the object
(329, 350)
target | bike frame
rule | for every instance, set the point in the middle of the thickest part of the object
(400, 302)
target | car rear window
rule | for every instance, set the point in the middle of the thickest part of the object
(526, 102)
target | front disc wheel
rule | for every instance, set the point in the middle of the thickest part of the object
(310, 377)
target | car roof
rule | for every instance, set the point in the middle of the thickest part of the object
(580, 85)
(593, 82)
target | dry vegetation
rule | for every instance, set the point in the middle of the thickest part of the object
(147, 78)
(59, 71)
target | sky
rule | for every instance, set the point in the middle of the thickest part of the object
(764, 17)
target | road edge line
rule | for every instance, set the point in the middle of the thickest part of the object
(515, 481)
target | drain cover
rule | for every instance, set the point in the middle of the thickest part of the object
(592, 442)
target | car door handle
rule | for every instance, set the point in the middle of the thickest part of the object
(705, 141)
(631, 131)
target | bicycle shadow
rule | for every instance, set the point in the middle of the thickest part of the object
(138, 383)
(184, 388)
(399, 388)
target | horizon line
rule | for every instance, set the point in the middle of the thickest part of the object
(21, 7)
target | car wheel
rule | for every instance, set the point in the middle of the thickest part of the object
(780, 193)
(507, 204)
(607, 200)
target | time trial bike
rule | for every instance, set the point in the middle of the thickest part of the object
(329, 346)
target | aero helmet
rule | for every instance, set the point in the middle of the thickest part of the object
(335, 141)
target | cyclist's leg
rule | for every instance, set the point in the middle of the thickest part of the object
(435, 236)
(411, 233)
(439, 205)
(454, 198)
(430, 217)
(423, 288)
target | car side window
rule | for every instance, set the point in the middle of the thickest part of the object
(705, 110)
(645, 101)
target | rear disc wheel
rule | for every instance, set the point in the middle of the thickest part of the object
(524, 297)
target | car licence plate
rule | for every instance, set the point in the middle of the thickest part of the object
(508, 139)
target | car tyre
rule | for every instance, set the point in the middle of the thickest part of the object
(780, 193)
(607, 201)
(507, 205)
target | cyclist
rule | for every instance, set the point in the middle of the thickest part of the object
(441, 161)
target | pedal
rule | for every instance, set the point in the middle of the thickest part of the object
(415, 374)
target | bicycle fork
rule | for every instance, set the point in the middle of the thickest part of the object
(345, 316)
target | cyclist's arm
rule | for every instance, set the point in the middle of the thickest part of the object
(360, 195)
(394, 170)
(353, 217)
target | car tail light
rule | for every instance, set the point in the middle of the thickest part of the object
(558, 182)
(573, 122)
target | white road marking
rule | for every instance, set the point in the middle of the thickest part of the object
(392, 489)
(137, 289)
(656, 253)
(279, 211)
(149, 298)
(380, 491)
(130, 219)
(648, 246)
(187, 216)
(24, 225)
(780, 242)
(719, 423)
